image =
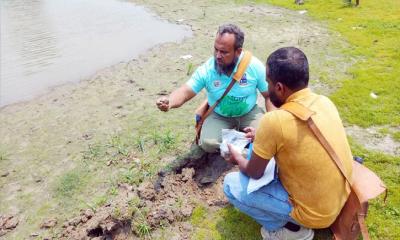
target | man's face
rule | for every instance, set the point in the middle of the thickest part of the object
(224, 52)
(272, 91)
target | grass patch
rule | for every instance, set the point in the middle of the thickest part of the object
(70, 183)
(394, 133)
(373, 31)
(4, 155)
(226, 223)
(396, 136)
(383, 217)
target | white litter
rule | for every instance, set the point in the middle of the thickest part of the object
(302, 12)
(186, 57)
(269, 174)
(373, 95)
(180, 20)
(238, 141)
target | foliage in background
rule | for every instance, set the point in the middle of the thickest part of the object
(373, 31)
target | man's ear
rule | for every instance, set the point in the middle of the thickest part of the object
(238, 51)
(279, 87)
(281, 90)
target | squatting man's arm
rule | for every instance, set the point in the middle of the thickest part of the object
(254, 168)
(176, 99)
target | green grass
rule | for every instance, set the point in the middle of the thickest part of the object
(70, 183)
(396, 136)
(226, 223)
(373, 32)
(383, 218)
(3, 155)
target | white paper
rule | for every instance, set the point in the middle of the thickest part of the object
(268, 176)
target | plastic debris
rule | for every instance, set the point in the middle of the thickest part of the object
(237, 139)
(186, 57)
(373, 95)
(302, 12)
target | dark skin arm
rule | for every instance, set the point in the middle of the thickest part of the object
(176, 99)
(254, 168)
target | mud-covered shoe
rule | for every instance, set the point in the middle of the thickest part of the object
(286, 234)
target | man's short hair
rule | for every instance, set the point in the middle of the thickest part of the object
(289, 66)
(233, 29)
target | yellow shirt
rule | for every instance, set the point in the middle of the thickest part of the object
(315, 185)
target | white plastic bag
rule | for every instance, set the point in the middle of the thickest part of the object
(237, 139)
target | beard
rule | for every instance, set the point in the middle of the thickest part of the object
(225, 69)
(275, 100)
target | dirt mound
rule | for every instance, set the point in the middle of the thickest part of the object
(170, 198)
(7, 223)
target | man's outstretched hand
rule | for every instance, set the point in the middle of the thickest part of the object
(163, 104)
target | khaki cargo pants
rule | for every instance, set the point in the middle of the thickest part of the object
(210, 136)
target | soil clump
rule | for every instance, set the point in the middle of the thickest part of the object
(171, 198)
(7, 223)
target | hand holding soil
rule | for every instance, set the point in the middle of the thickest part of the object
(163, 104)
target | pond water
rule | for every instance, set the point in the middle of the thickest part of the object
(45, 43)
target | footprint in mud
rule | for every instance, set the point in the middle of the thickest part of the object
(208, 167)
(211, 169)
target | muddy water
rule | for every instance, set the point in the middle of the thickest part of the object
(45, 43)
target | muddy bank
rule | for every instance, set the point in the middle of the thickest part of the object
(45, 142)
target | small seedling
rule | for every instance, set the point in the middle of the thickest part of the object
(143, 229)
(189, 69)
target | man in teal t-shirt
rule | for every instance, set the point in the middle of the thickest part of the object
(238, 109)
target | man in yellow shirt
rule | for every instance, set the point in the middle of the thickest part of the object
(310, 190)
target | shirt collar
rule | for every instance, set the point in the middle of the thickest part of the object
(299, 95)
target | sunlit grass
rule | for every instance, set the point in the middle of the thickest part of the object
(373, 31)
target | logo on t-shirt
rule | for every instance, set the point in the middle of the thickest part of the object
(243, 81)
(217, 83)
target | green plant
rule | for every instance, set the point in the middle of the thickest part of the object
(93, 152)
(113, 191)
(120, 145)
(116, 213)
(143, 229)
(139, 143)
(396, 136)
(4, 156)
(165, 140)
(190, 68)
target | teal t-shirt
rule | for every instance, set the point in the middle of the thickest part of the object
(241, 98)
